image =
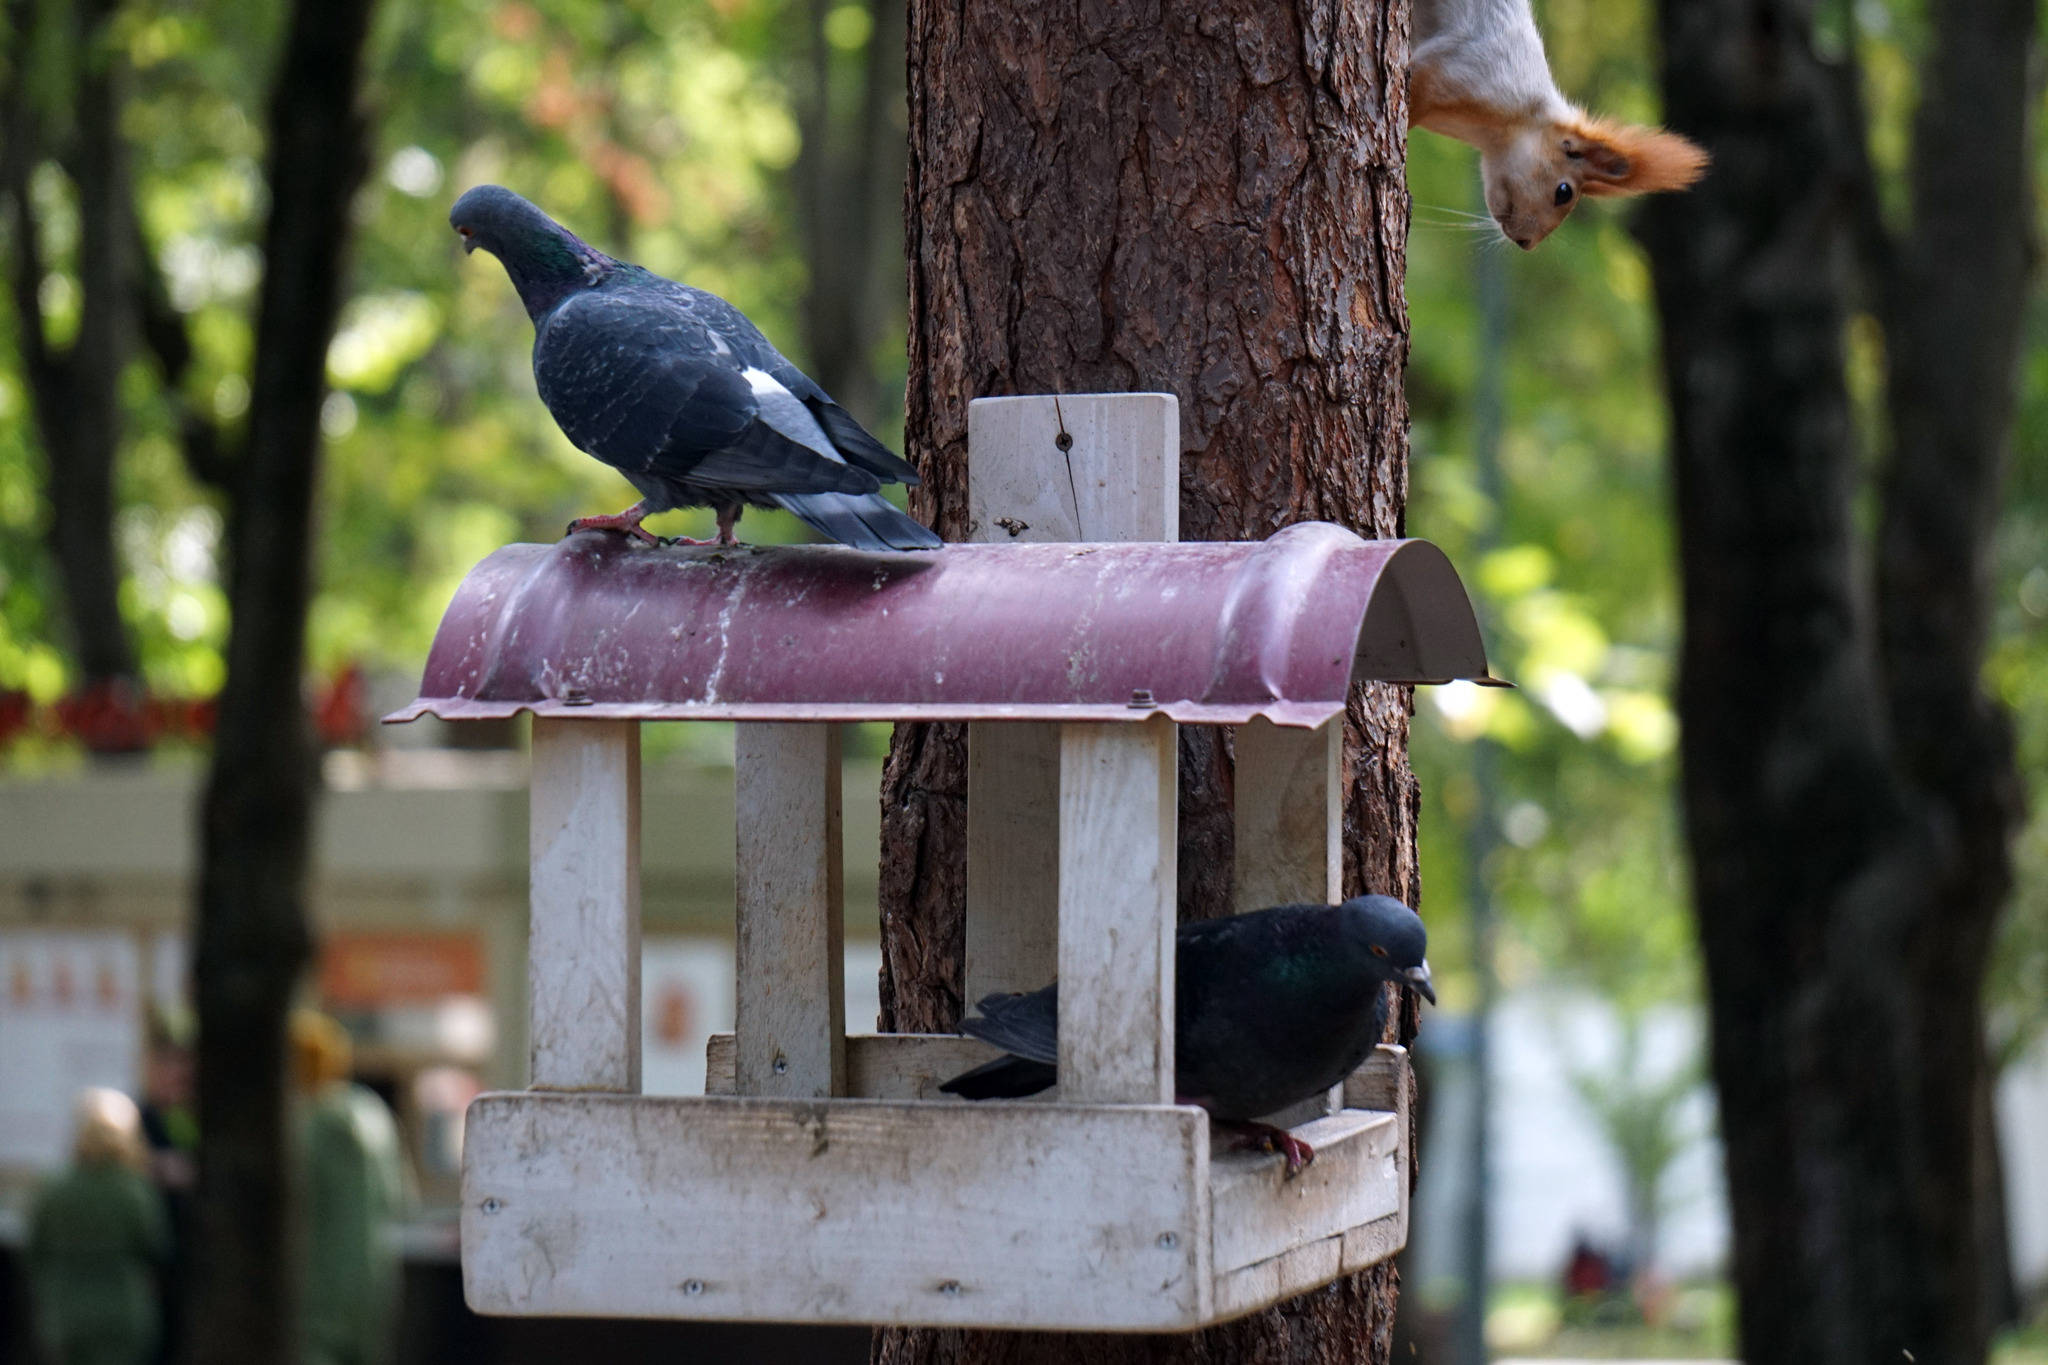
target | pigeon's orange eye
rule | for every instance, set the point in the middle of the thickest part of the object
(1378, 951)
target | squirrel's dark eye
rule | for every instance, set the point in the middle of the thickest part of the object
(1564, 193)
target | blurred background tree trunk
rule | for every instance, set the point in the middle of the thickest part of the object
(253, 939)
(63, 103)
(1849, 788)
(1208, 201)
(849, 208)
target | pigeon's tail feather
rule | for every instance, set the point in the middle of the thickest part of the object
(854, 442)
(1025, 1025)
(1005, 1078)
(863, 521)
(762, 459)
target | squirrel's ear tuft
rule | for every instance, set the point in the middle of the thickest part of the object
(1624, 158)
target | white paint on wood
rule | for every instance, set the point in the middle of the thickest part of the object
(583, 953)
(789, 1006)
(1118, 478)
(879, 1066)
(1354, 1179)
(1013, 856)
(1289, 812)
(1118, 818)
(848, 1211)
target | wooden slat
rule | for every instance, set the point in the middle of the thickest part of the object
(1013, 856)
(1354, 1179)
(848, 1211)
(1117, 863)
(789, 1012)
(583, 953)
(1289, 815)
(1119, 479)
(879, 1066)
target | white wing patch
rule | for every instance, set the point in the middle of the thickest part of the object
(786, 413)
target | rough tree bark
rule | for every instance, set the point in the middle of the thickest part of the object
(253, 937)
(77, 390)
(1207, 200)
(1849, 789)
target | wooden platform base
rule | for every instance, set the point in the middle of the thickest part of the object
(1011, 1215)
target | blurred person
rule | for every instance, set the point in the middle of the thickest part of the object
(354, 1193)
(97, 1237)
(171, 1129)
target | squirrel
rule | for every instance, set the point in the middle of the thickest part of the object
(1478, 74)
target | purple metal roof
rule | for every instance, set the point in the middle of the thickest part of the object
(1209, 633)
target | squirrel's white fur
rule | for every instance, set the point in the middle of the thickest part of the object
(1478, 74)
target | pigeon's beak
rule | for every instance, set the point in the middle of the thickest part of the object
(1418, 977)
(468, 239)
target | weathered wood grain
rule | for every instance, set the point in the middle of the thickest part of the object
(1116, 478)
(790, 1006)
(839, 1211)
(879, 1066)
(1289, 807)
(583, 953)
(1117, 860)
(1355, 1179)
(1013, 856)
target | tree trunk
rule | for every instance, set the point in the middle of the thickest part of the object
(253, 937)
(1204, 200)
(851, 217)
(77, 392)
(1849, 790)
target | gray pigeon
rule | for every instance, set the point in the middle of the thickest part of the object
(1270, 1008)
(675, 389)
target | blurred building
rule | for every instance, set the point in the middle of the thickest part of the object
(419, 898)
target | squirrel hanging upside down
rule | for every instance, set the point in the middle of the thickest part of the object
(1478, 74)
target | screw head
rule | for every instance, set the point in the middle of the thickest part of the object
(1063, 441)
(1142, 699)
(493, 1205)
(575, 696)
(1168, 1241)
(781, 1067)
(693, 1287)
(950, 1288)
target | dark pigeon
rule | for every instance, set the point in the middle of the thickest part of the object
(1270, 1008)
(675, 389)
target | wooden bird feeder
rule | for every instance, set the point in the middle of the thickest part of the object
(823, 1179)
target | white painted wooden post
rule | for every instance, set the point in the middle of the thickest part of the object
(1289, 814)
(1013, 856)
(583, 946)
(1116, 479)
(1118, 814)
(790, 1007)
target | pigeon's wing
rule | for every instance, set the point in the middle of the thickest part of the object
(1005, 1078)
(864, 521)
(647, 388)
(848, 436)
(859, 447)
(1026, 1026)
(840, 433)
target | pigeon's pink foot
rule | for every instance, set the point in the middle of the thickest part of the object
(1264, 1137)
(627, 521)
(728, 517)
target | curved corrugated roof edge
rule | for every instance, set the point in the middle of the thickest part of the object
(1208, 633)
